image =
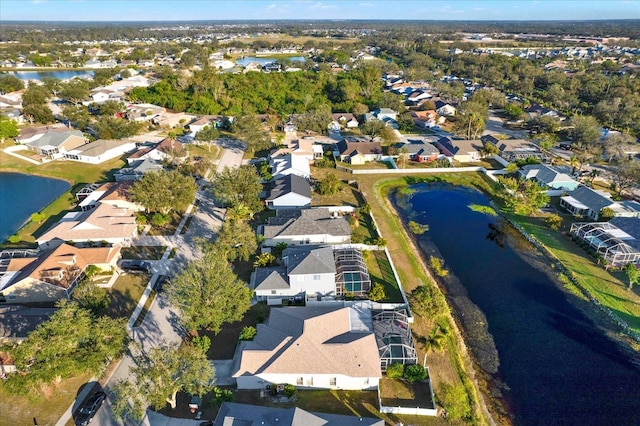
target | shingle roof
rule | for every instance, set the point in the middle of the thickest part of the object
(101, 146)
(270, 278)
(309, 260)
(306, 222)
(418, 147)
(235, 414)
(590, 198)
(54, 138)
(290, 184)
(363, 147)
(545, 174)
(319, 334)
(460, 146)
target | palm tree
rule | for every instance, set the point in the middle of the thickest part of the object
(633, 274)
(436, 339)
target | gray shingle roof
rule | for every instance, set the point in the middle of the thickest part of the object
(309, 260)
(545, 174)
(590, 198)
(290, 184)
(630, 225)
(418, 147)
(235, 414)
(306, 222)
(270, 278)
(53, 138)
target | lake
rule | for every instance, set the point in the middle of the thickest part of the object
(267, 60)
(60, 75)
(558, 368)
(22, 195)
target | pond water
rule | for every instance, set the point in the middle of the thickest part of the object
(267, 60)
(558, 368)
(60, 75)
(22, 195)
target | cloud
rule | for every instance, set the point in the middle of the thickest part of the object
(366, 4)
(38, 1)
(322, 6)
(272, 6)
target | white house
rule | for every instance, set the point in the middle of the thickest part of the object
(309, 348)
(443, 108)
(305, 226)
(288, 164)
(289, 192)
(99, 151)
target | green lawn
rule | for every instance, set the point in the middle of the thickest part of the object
(125, 294)
(46, 405)
(380, 272)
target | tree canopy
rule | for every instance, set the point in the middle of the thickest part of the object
(208, 293)
(238, 186)
(71, 341)
(164, 191)
(237, 239)
(10, 83)
(8, 128)
(158, 374)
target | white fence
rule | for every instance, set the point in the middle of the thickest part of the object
(414, 411)
(414, 171)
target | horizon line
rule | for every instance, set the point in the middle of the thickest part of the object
(317, 20)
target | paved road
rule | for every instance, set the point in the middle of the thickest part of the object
(494, 125)
(161, 322)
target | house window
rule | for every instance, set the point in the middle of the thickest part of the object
(333, 381)
(310, 381)
(11, 297)
(316, 277)
(299, 381)
(273, 292)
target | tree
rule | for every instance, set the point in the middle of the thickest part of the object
(633, 274)
(249, 129)
(208, 293)
(75, 91)
(330, 185)
(110, 108)
(164, 191)
(38, 113)
(436, 339)
(606, 214)
(237, 240)
(626, 176)
(8, 128)
(388, 135)
(107, 127)
(238, 186)
(377, 292)
(427, 301)
(553, 221)
(91, 297)
(207, 136)
(10, 83)
(264, 260)
(415, 373)
(585, 130)
(58, 350)
(158, 374)
(78, 116)
(472, 119)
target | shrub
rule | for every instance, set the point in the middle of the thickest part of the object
(377, 292)
(160, 219)
(289, 390)
(15, 238)
(554, 221)
(91, 271)
(436, 265)
(141, 219)
(366, 208)
(395, 370)
(201, 342)
(417, 228)
(248, 333)
(415, 373)
(455, 401)
(222, 395)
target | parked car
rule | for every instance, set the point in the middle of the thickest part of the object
(135, 266)
(161, 282)
(90, 408)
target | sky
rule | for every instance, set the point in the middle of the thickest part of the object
(169, 10)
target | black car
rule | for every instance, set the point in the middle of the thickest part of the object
(161, 282)
(89, 408)
(135, 266)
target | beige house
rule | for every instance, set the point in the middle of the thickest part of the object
(358, 152)
(54, 274)
(462, 150)
(309, 348)
(115, 225)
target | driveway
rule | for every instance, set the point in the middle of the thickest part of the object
(494, 125)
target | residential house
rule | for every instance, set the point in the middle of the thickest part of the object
(418, 150)
(536, 111)
(613, 244)
(309, 347)
(167, 149)
(549, 177)
(232, 413)
(53, 274)
(31, 134)
(445, 109)
(171, 120)
(289, 164)
(116, 226)
(305, 147)
(102, 95)
(343, 121)
(358, 151)
(137, 169)
(511, 150)
(55, 144)
(115, 194)
(418, 96)
(144, 112)
(462, 150)
(586, 202)
(101, 150)
(13, 100)
(426, 119)
(289, 192)
(15, 115)
(305, 226)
